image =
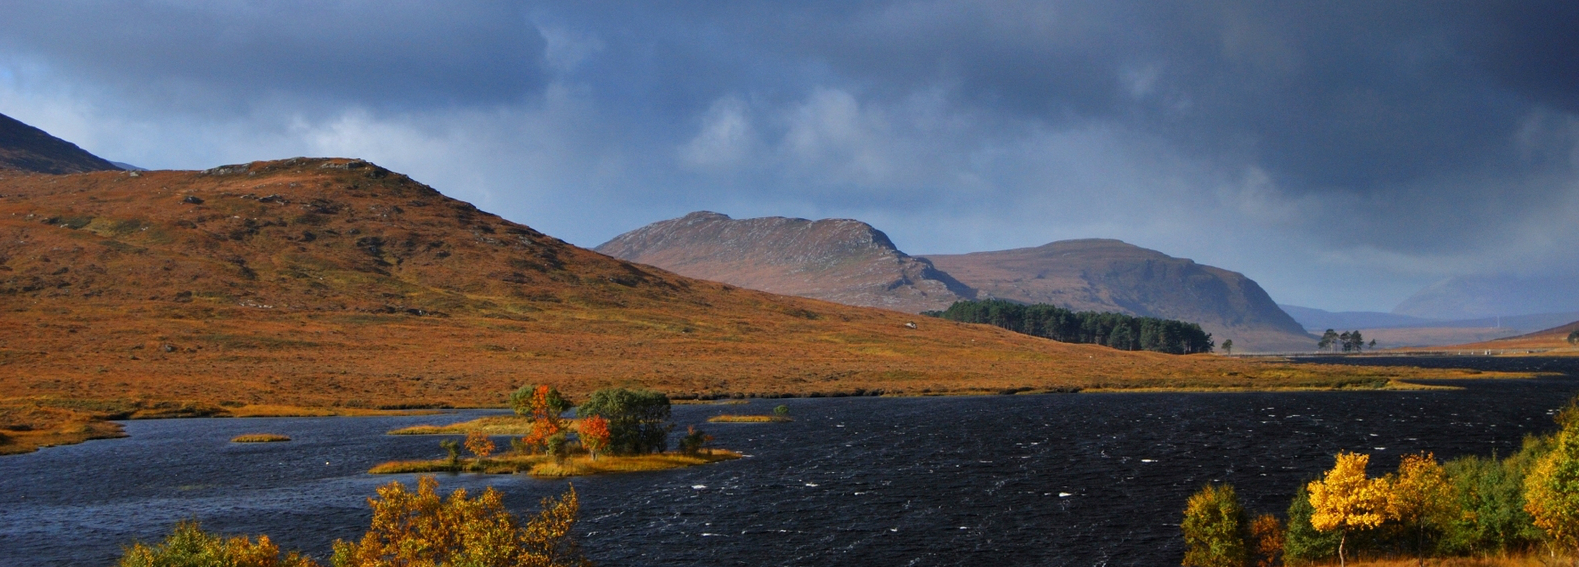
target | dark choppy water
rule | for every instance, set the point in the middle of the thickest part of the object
(1022, 480)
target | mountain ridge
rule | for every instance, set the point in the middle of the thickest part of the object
(841, 260)
(26, 148)
(1097, 274)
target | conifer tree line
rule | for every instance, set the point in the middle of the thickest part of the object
(1348, 341)
(1117, 330)
(1525, 503)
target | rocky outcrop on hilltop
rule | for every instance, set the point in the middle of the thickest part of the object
(840, 260)
(1111, 275)
(26, 148)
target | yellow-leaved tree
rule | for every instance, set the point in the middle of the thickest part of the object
(1215, 528)
(1551, 490)
(420, 528)
(1345, 499)
(1420, 497)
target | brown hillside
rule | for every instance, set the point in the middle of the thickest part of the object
(26, 148)
(1110, 275)
(338, 284)
(1549, 341)
(839, 260)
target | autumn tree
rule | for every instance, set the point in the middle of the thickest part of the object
(594, 434)
(480, 445)
(545, 405)
(1344, 499)
(1420, 497)
(1215, 528)
(693, 441)
(189, 545)
(1266, 541)
(1551, 491)
(420, 528)
(637, 419)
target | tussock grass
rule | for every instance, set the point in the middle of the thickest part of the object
(260, 438)
(543, 466)
(732, 418)
(1531, 560)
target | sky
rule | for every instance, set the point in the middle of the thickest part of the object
(1342, 154)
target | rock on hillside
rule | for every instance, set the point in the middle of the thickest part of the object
(839, 260)
(26, 148)
(1110, 275)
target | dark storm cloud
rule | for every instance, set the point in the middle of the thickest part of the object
(383, 54)
(1398, 141)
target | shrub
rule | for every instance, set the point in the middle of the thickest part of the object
(1490, 496)
(1215, 528)
(781, 411)
(420, 528)
(189, 546)
(693, 441)
(1551, 491)
(637, 419)
(454, 448)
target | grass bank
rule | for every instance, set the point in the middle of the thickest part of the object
(544, 466)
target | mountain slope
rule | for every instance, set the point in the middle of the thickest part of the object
(1110, 275)
(26, 148)
(1479, 297)
(839, 260)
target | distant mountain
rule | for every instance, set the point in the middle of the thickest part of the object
(840, 260)
(1317, 320)
(1477, 297)
(26, 148)
(1110, 275)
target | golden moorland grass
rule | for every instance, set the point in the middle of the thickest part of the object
(545, 466)
(733, 418)
(1525, 560)
(334, 287)
(260, 438)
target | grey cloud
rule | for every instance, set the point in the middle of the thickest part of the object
(394, 55)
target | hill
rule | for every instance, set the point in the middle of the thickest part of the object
(1318, 320)
(1110, 275)
(332, 285)
(25, 148)
(839, 260)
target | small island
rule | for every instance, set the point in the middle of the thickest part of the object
(780, 414)
(260, 438)
(491, 425)
(618, 430)
(733, 418)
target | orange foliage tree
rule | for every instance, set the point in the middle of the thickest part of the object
(420, 528)
(594, 434)
(188, 544)
(1266, 541)
(544, 406)
(479, 444)
(1345, 499)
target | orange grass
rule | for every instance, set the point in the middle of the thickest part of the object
(491, 425)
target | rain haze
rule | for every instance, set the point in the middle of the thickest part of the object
(1344, 155)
